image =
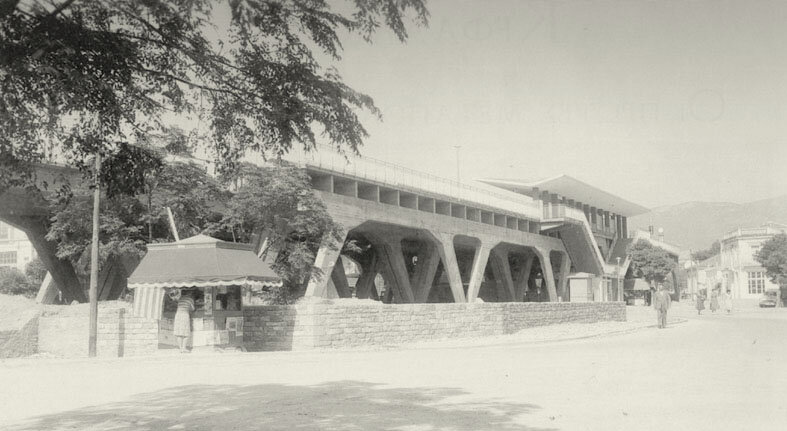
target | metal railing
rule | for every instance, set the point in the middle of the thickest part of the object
(396, 176)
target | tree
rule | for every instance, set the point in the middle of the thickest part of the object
(277, 201)
(701, 255)
(79, 77)
(773, 257)
(85, 77)
(650, 262)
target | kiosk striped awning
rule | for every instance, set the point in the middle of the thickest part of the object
(148, 302)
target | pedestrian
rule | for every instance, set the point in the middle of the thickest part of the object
(728, 302)
(182, 324)
(714, 300)
(700, 303)
(661, 302)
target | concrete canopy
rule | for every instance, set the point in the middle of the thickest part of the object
(572, 188)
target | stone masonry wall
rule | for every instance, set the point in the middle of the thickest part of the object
(352, 322)
(64, 331)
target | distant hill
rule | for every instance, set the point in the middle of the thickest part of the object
(695, 225)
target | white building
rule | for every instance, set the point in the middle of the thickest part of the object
(15, 249)
(742, 274)
(735, 268)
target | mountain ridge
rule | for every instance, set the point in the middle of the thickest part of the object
(695, 225)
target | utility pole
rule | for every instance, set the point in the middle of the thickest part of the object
(93, 293)
(457, 147)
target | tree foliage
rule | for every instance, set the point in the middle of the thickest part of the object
(79, 77)
(773, 257)
(650, 262)
(701, 255)
(277, 201)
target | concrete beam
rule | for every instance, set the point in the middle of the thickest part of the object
(477, 275)
(445, 249)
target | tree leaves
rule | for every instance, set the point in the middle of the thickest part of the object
(650, 262)
(773, 257)
(89, 76)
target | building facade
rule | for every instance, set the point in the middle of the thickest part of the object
(742, 274)
(15, 250)
(735, 268)
(606, 214)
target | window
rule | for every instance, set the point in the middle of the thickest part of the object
(756, 282)
(7, 257)
(5, 232)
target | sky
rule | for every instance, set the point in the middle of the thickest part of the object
(658, 102)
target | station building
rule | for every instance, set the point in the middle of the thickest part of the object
(607, 216)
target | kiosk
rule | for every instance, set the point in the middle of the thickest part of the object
(222, 277)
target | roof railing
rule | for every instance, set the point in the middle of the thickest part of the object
(396, 176)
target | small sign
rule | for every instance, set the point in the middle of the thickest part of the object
(208, 301)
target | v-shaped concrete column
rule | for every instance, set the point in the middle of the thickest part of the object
(546, 271)
(502, 270)
(425, 269)
(365, 283)
(522, 278)
(392, 258)
(565, 269)
(477, 275)
(339, 279)
(445, 249)
(323, 267)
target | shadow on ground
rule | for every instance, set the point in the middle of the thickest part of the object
(345, 405)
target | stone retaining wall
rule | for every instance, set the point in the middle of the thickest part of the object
(352, 322)
(64, 331)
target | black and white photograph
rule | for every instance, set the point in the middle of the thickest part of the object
(404, 215)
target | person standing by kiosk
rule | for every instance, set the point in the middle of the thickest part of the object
(182, 324)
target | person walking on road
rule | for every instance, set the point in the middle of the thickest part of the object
(714, 300)
(728, 302)
(700, 303)
(661, 302)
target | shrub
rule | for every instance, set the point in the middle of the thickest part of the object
(14, 282)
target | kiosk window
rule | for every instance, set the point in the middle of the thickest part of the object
(228, 298)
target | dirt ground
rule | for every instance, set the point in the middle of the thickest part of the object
(714, 372)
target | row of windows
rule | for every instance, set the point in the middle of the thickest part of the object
(7, 257)
(756, 282)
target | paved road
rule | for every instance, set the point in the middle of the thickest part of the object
(715, 372)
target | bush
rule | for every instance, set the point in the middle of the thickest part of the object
(35, 271)
(14, 282)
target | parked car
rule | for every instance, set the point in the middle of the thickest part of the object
(769, 298)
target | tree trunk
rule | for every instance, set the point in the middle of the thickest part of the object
(62, 271)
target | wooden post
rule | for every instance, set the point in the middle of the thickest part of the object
(93, 293)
